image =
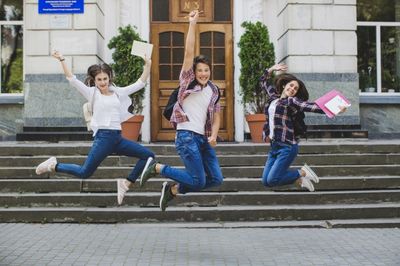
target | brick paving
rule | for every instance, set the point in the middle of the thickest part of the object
(160, 244)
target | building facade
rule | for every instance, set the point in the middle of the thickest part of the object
(329, 44)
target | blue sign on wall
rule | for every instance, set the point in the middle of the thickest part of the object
(60, 6)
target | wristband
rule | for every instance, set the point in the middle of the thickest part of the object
(62, 59)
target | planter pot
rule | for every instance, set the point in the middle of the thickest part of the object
(131, 127)
(256, 123)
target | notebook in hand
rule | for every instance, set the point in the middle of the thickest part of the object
(335, 104)
(142, 49)
(331, 103)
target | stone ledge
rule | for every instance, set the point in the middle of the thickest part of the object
(44, 78)
(12, 98)
(379, 99)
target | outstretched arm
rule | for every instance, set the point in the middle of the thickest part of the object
(190, 41)
(82, 88)
(141, 82)
(60, 57)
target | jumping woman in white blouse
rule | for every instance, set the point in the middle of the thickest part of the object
(110, 108)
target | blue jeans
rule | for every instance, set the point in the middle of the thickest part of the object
(201, 163)
(276, 170)
(105, 143)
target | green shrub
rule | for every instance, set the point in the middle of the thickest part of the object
(256, 53)
(127, 68)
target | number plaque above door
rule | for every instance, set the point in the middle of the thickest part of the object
(181, 8)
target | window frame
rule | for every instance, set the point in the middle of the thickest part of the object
(378, 26)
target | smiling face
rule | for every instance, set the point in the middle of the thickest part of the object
(290, 89)
(102, 80)
(202, 73)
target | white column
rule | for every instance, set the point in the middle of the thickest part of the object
(238, 106)
(137, 14)
(249, 10)
(112, 16)
(144, 31)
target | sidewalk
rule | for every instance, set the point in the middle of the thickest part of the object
(163, 244)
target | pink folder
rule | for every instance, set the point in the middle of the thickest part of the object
(326, 98)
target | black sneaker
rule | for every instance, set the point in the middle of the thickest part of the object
(149, 171)
(166, 195)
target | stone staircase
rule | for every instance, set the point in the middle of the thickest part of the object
(57, 134)
(360, 186)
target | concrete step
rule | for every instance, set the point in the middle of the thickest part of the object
(54, 136)
(224, 159)
(229, 184)
(240, 171)
(202, 214)
(305, 147)
(327, 224)
(204, 199)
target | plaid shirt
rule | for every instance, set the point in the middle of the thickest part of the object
(283, 129)
(179, 116)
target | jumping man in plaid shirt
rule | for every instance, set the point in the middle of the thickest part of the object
(196, 117)
(288, 96)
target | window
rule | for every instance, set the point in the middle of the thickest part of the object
(11, 45)
(378, 33)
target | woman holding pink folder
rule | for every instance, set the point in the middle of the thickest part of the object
(287, 96)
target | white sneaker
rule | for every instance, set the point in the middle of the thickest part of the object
(310, 174)
(149, 160)
(122, 188)
(47, 166)
(306, 183)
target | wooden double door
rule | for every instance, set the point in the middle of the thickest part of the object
(212, 40)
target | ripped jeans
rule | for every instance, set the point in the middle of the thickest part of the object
(202, 169)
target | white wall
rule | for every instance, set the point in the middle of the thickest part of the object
(318, 36)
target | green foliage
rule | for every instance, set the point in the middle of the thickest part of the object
(127, 68)
(256, 53)
(376, 10)
(14, 83)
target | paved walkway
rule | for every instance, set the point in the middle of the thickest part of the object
(133, 244)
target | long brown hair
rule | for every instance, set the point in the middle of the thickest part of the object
(94, 70)
(283, 79)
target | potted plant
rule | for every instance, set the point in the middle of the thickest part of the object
(127, 69)
(367, 82)
(256, 53)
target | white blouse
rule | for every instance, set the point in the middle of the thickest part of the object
(102, 116)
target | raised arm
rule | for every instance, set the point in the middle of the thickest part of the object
(265, 80)
(278, 67)
(190, 41)
(146, 69)
(60, 57)
(140, 83)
